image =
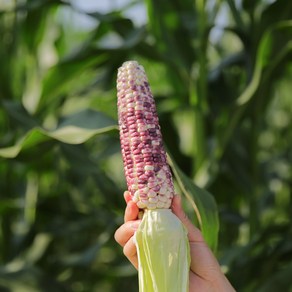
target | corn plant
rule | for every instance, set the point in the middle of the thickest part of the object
(220, 72)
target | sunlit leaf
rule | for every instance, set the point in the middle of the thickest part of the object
(263, 57)
(64, 73)
(74, 130)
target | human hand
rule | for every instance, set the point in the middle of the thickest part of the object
(205, 272)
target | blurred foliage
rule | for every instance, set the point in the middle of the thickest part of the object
(221, 73)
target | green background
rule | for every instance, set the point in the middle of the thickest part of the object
(221, 74)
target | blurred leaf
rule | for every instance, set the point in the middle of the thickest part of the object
(38, 248)
(87, 119)
(250, 5)
(75, 130)
(173, 24)
(28, 279)
(264, 55)
(33, 137)
(62, 75)
(36, 18)
(280, 280)
(277, 11)
(87, 256)
(19, 114)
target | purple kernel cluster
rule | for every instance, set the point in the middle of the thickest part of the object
(147, 173)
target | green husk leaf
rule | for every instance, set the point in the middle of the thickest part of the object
(163, 253)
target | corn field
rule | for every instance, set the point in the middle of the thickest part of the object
(221, 75)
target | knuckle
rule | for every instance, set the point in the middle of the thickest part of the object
(117, 237)
(125, 251)
(129, 249)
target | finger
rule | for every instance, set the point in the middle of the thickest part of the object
(205, 271)
(127, 196)
(194, 234)
(203, 261)
(126, 231)
(131, 212)
(130, 252)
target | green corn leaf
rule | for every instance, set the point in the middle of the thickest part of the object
(76, 129)
(264, 57)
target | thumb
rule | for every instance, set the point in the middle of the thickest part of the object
(194, 234)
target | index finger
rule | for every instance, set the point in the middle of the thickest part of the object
(194, 234)
(127, 196)
(132, 211)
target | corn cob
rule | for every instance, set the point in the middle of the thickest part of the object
(161, 240)
(147, 173)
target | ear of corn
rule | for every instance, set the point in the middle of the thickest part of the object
(147, 173)
(161, 240)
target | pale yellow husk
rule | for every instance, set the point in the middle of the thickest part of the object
(163, 253)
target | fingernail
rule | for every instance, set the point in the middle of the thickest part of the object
(134, 225)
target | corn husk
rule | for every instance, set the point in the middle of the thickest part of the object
(163, 253)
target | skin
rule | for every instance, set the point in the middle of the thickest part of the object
(205, 272)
